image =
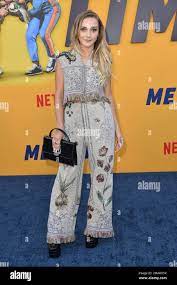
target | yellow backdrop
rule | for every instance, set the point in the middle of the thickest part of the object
(136, 68)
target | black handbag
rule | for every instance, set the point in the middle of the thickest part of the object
(67, 153)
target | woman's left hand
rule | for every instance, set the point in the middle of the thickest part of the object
(119, 141)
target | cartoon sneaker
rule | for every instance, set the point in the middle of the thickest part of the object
(57, 53)
(51, 64)
(36, 69)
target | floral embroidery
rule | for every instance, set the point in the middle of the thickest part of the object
(107, 167)
(65, 184)
(100, 178)
(104, 202)
(97, 120)
(69, 105)
(110, 158)
(61, 200)
(100, 162)
(89, 209)
(103, 151)
(89, 216)
(69, 113)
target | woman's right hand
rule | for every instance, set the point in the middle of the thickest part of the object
(56, 138)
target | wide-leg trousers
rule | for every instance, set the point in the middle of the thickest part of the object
(92, 125)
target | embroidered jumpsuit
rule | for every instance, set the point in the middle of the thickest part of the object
(88, 120)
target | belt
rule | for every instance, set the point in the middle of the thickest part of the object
(93, 98)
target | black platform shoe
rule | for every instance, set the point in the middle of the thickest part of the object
(91, 242)
(54, 250)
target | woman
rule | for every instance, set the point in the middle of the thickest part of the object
(85, 109)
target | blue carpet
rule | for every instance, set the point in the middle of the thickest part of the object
(144, 223)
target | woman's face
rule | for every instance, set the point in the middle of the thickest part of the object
(88, 32)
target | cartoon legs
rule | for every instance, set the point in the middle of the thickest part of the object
(42, 26)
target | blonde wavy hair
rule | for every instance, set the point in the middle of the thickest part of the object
(101, 54)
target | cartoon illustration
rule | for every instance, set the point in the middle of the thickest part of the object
(19, 10)
(15, 9)
(43, 18)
